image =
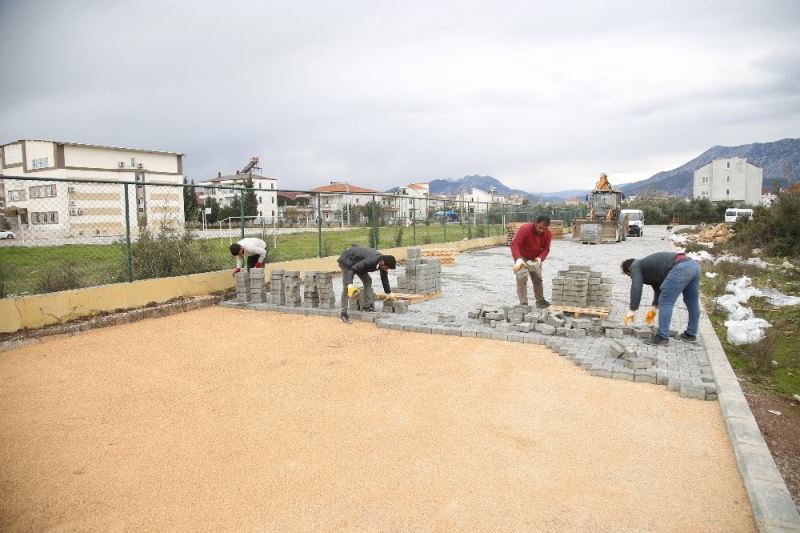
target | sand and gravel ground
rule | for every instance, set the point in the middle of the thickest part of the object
(225, 419)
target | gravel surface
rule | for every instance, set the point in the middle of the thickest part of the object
(232, 419)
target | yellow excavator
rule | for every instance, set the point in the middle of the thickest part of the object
(602, 224)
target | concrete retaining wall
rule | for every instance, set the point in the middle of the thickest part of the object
(31, 312)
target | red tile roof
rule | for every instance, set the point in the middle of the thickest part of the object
(343, 188)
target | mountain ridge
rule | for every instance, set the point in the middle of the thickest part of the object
(780, 161)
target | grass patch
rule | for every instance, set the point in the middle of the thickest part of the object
(22, 268)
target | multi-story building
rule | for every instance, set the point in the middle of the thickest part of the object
(729, 180)
(340, 202)
(46, 209)
(265, 189)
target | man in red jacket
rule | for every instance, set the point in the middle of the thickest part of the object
(529, 248)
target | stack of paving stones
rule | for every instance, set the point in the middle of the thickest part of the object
(423, 274)
(580, 286)
(599, 292)
(291, 288)
(258, 292)
(242, 286)
(603, 348)
(591, 234)
(327, 299)
(276, 290)
(571, 286)
(310, 289)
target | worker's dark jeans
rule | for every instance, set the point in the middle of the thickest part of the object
(251, 261)
(683, 278)
(347, 278)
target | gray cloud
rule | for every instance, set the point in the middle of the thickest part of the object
(542, 97)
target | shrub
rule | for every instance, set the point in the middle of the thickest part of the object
(398, 236)
(59, 278)
(171, 253)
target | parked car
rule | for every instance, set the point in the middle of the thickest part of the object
(7, 235)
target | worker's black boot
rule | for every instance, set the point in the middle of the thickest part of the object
(345, 318)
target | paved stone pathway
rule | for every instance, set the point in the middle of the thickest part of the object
(485, 280)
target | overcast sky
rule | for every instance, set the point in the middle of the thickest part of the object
(540, 95)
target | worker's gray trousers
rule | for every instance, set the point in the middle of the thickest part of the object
(535, 273)
(368, 298)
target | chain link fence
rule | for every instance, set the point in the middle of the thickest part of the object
(64, 234)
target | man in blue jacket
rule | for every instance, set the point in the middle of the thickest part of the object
(669, 274)
(360, 261)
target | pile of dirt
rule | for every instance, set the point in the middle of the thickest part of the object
(717, 234)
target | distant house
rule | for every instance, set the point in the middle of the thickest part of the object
(45, 209)
(339, 200)
(729, 180)
(296, 207)
(265, 189)
(575, 200)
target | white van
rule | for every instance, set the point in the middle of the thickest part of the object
(733, 214)
(635, 221)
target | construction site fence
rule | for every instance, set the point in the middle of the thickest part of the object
(64, 233)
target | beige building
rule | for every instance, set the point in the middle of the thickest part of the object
(729, 180)
(265, 190)
(47, 209)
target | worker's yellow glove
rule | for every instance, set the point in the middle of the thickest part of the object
(519, 264)
(352, 290)
(650, 316)
(629, 318)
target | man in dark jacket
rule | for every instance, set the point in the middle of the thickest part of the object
(669, 274)
(360, 261)
(529, 248)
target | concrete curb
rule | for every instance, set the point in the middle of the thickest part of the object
(114, 319)
(773, 507)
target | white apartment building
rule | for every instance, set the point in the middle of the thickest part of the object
(409, 203)
(46, 209)
(265, 189)
(729, 180)
(338, 198)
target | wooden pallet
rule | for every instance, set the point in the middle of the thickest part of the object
(408, 297)
(601, 312)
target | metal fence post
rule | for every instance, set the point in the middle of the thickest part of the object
(413, 222)
(319, 225)
(128, 235)
(373, 240)
(241, 212)
(469, 222)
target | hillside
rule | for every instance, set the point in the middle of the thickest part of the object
(780, 161)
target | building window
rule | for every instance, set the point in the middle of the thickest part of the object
(727, 191)
(705, 180)
(271, 185)
(273, 199)
(728, 178)
(16, 196)
(728, 164)
(273, 212)
(43, 191)
(46, 217)
(41, 162)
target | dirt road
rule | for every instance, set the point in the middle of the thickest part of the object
(242, 420)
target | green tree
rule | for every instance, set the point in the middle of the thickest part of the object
(191, 209)
(250, 200)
